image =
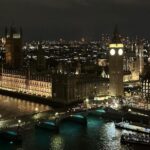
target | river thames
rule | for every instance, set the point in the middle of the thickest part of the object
(99, 134)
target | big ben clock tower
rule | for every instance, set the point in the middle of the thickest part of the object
(116, 65)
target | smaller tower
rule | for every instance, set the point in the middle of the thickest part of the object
(13, 48)
(141, 57)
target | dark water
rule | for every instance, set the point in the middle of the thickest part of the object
(98, 135)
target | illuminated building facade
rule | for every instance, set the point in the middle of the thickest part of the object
(145, 82)
(141, 57)
(136, 64)
(116, 66)
(61, 88)
(146, 87)
(20, 83)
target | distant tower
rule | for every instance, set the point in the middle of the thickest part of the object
(116, 65)
(13, 48)
(138, 64)
(141, 57)
(41, 62)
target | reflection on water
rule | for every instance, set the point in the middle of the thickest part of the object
(10, 107)
(57, 142)
(112, 135)
(98, 135)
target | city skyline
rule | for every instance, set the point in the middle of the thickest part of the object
(74, 19)
(68, 81)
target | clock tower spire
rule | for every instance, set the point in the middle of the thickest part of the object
(116, 65)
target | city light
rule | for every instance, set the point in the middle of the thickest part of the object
(19, 121)
(87, 100)
(36, 109)
(56, 114)
(129, 110)
(67, 83)
(116, 46)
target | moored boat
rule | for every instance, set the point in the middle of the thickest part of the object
(48, 125)
(11, 136)
(127, 126)
(135, 139)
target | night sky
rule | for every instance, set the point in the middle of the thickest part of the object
(73, 19)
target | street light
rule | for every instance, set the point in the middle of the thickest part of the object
(56, 117)
(87, 103)
(36, 109)
(129, 110)
(56, 114)
(87, 100)
(19, 121)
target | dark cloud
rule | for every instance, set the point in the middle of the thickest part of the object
(72, 19)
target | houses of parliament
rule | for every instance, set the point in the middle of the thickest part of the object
(35, 68)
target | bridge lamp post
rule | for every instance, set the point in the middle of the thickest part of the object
(56, 117)
(19, 122)
(56, 114)
(87, 100)
(87, 103)
(129, 110)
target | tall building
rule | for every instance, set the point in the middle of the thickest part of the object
(116, 65)
(136, 63)
(13, 48)
(145, 83)
(141, 57)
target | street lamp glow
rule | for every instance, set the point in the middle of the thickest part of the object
(19, 121)
(36, 109)
(129, 110)
(116, 105)
(87, 100)
(56, 114)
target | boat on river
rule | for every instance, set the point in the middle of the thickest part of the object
(128, 126)
(10, 136)
(47, 125)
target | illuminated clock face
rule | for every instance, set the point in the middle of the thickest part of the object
(120, 52)
(112, 52)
